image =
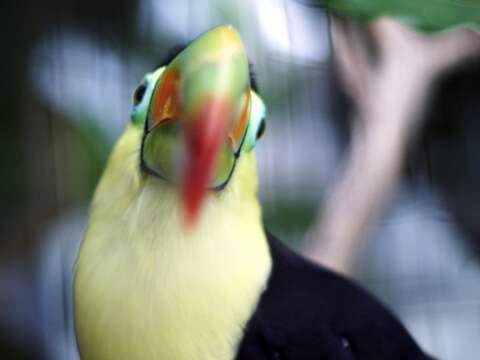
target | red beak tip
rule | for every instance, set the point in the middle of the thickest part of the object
(191, 207)
(188, 218)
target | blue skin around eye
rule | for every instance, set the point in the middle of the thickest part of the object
(139, 111)
(258, 112)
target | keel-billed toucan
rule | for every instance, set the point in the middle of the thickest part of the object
(176, 263)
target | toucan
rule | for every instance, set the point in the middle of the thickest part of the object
(176, 263)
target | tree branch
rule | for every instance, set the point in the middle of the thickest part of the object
(389, 90)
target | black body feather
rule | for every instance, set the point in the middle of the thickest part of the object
(308, 312)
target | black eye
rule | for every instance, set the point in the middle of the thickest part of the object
(138, 94)
(261, 129)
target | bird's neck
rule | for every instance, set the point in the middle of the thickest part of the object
(187, 294)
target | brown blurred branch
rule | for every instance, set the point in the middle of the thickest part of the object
(387, 69)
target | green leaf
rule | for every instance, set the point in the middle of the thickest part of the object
(427, 15)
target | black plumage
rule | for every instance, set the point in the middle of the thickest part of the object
(307, 312)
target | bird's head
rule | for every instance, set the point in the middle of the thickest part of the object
(199, 114)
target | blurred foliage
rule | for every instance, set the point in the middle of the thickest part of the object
(9, 350)
(289, 219)
(83, 158)
(28, 172)
(427, 15)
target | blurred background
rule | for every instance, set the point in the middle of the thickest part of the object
(370, 163)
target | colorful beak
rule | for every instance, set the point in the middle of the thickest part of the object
(204, 137)
(207, 88)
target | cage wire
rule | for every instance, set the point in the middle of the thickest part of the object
(82, 76)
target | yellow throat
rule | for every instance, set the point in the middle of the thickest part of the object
(147, 289)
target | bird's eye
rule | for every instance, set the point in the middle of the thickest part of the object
(138, 94)
(261, 129)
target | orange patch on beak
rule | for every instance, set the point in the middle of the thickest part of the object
(166, 105)
(238, 131)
